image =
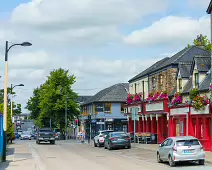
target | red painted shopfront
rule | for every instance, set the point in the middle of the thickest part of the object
(153, 119)
(185, 120)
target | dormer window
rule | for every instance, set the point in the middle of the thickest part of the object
(180, 85)
(196, 80)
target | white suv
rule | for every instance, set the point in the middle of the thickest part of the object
(100, 137)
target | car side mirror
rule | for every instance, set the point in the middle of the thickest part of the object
(160, 145)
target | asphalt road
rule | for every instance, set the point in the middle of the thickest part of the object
(68, 155)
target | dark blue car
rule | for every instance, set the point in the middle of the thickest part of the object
(16, 135)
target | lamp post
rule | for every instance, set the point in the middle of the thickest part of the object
(7, 49)
(12, 87)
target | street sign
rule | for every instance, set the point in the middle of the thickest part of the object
(100, 123)
(135, 114)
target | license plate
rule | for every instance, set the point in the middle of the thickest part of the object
(188, 151)
(120, 139)
(46, 138)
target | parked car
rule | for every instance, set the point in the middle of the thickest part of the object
(100, 137)
(16, 135)
(33, 136)
(182, 148)
(25, 135)
(45, 135)
(19, 132)
(117, 140)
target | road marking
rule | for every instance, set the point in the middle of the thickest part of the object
(39, 164)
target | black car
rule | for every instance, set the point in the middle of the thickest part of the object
(117, 140)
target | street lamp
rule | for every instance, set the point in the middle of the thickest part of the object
(7, 49)
(12, 87)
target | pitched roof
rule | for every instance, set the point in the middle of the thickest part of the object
(188, 86)
(82, 99)
(185, 69)
(205, 83)
(185, 55)
(115, 93)
(203, 63)
(145, 72)
(209, 8)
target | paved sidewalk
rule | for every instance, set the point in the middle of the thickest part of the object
(19, 157)
(155, 146)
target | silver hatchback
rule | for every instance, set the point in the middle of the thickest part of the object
(182, 148)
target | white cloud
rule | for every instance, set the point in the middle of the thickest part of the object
(56, 14)
(171, 30)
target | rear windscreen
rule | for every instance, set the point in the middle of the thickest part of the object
(118, 134)
(187, 142)
(44, 130)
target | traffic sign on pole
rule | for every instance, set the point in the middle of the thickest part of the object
(135, 114)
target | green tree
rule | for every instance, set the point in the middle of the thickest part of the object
(50, 99)
(33, 104)
(17, 109)
(10, 127)
(202, 41)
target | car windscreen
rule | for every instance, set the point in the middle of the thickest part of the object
(106, 132)
(25, 133)
(190, 142)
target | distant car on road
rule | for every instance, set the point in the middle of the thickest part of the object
(19, 132)
(25, 135)
(45, 135)
(181, 149)
(117, 140)
(100, 137)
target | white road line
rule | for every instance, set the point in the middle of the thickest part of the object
(39, 164)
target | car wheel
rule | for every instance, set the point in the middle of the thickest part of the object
(202, 162)
(129, 147)
(109, 146)
(53, 142)
(171, 162)
(158, 158)
(98, 144)
(94, 143)
(105, 146)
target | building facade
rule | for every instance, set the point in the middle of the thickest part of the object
(175, 97)
(106, 109)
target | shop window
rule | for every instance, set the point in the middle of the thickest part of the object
(107, 107)
(125, 128)
(122, 108)
(182, 128)
(180, 85)
(196, 80)
(110, 127)
(177, 129)
(202, 130)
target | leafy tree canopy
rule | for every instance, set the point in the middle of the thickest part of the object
(49, 100)
(202, 41)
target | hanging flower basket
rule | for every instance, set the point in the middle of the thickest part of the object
(177, 99)
(200, 102)
(134, 98)
(157, 96)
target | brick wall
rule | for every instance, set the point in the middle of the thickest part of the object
(165, 80)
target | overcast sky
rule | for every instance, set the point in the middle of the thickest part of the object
(102, 42)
